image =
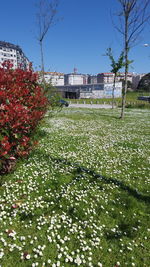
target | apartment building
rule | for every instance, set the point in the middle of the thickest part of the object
(121, 76)
(92, 79)
(54, 78)
(75, 79)
(105, 77)
(14, 54)
(108, 77)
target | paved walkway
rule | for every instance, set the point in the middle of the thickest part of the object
(89, 106)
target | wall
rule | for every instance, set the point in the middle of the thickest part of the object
(91, 90)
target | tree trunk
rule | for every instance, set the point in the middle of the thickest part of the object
(124, 92)
(42, 64)
(113, 91)
(126, 47)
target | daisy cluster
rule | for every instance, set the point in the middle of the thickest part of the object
(81, 198)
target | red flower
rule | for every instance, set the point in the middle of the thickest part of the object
(15, 206)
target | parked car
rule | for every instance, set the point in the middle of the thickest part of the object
(63, 103)
(144, 98)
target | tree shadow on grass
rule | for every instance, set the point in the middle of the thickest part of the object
(125, 227)
(78, 171)
(117, 117)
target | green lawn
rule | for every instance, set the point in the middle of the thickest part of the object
(82, 198)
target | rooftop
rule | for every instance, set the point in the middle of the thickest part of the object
(9, 45)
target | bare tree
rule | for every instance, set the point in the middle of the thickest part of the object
(132, 18)
(46, 17)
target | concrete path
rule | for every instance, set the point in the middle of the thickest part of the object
(89, 106)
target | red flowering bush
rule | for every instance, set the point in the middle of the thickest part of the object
(22, 106)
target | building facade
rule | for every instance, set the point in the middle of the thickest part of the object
(90, 90)
(75, 79)
(121, 76)
(108, 77)
(92, 79)
(14, 54)
(105, 77)
(54, 78)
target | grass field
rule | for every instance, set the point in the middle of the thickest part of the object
(82, 198)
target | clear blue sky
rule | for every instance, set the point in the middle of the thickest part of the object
(79, 40)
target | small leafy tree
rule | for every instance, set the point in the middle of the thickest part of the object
(116, 66)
